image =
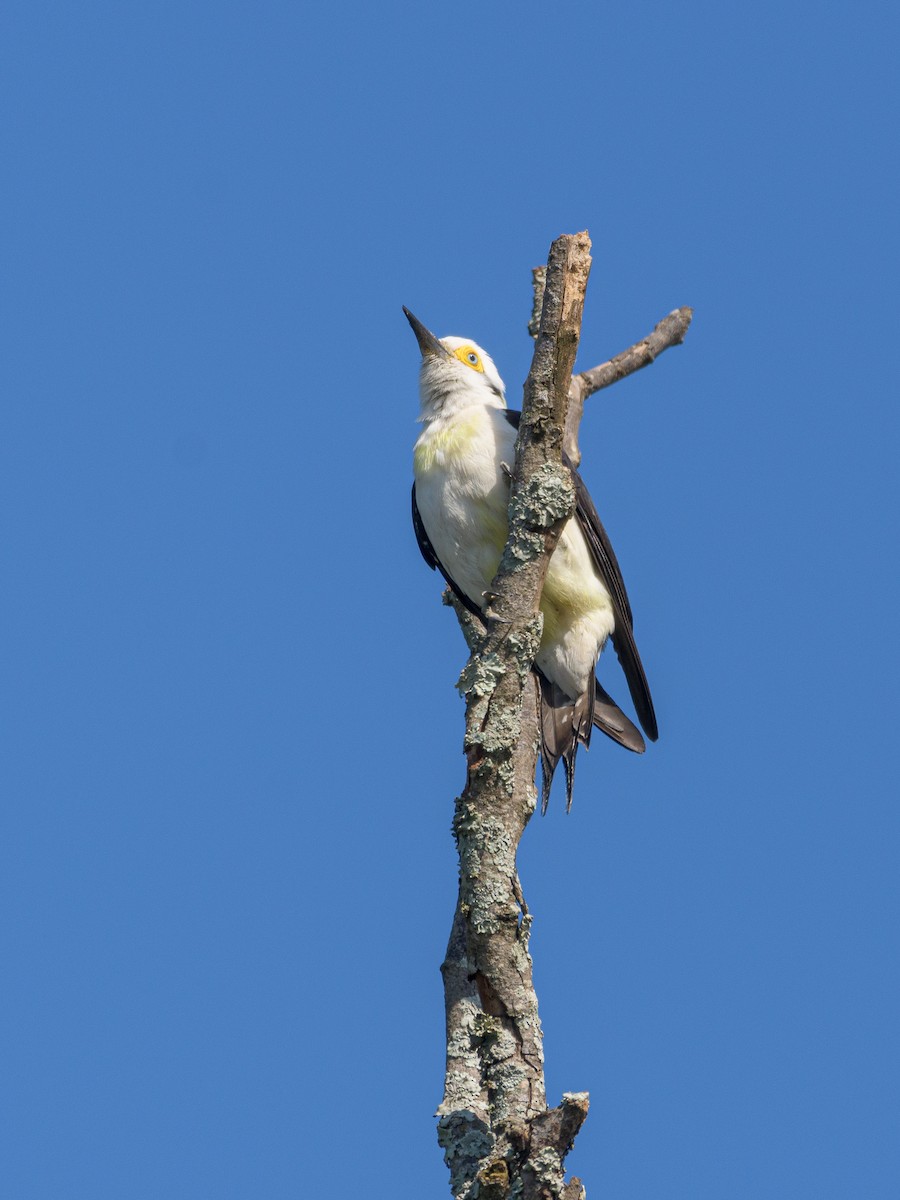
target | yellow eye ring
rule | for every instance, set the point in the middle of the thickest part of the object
(470, 357)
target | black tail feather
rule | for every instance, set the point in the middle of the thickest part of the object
(612, 721)
(566, 724)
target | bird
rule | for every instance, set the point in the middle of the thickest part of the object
(460, 496)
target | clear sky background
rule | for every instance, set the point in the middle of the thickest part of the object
(230, 737)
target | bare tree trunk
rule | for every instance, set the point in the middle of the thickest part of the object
(499, 1137)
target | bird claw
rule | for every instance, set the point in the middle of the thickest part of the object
(506, 469)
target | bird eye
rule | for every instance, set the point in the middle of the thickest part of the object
(466, 353)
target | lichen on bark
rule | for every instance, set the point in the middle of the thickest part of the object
(494, 1086)
(501, 1141)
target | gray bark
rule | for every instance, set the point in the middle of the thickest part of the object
(498, 1135)
(501, 1141)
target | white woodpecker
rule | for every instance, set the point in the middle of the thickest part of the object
(460, 498)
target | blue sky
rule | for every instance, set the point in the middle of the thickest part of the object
(230, 736)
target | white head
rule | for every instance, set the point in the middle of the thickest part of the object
(455, 373)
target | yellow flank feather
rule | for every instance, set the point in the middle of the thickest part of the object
(452, 439)
(570, 592)
(562, 606)
(493, 526)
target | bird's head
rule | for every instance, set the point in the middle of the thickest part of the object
(455, 373)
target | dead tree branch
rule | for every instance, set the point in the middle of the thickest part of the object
(500, 1139)
(495, 1127)
(670, 331)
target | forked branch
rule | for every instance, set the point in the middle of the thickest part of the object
(670, 331)
(499, 1137)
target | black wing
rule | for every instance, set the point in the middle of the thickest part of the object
(611, 573)
(623, 634)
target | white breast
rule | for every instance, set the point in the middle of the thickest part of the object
(462, 493)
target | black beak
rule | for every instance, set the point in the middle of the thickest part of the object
(428, 343)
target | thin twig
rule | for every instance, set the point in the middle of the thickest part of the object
(670, 331)
(538, 282)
